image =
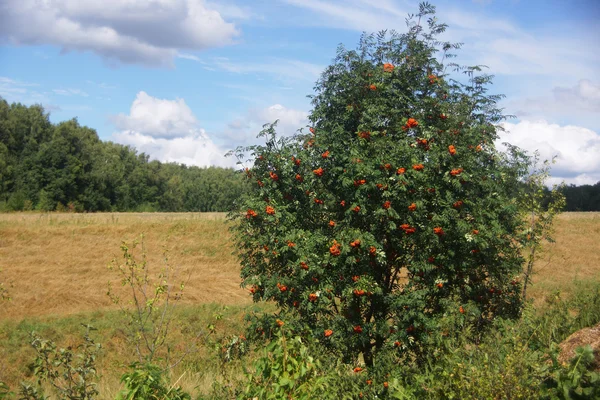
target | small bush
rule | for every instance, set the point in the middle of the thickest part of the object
(148, 314)
(72, 375)
(5, 392)
(578, 381)
(147, 382)
(16, 202)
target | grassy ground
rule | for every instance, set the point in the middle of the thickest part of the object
(189, 335)
(57, 263)
(55, 266)
(573, 260)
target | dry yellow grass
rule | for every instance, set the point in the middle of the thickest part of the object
(57, 263)
(573, 260)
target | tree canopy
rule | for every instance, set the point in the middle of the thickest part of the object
(396, 212)
(66, 166)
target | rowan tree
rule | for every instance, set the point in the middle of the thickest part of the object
(395, 210)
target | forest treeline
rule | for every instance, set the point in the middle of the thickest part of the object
(582, 198)
(65, 166)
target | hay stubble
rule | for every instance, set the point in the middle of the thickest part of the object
(56, 264)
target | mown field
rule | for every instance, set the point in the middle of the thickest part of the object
(58, 263)
(55, 267)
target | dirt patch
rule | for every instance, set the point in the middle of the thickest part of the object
(583, 337)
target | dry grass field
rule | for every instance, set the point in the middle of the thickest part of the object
(573, 260)
(55, 267)
(56, 264)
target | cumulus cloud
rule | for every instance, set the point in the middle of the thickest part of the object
(577, 149)
(159, 118)
(196, 149)
(167, 131)
(290, 120)
(578, 104)
(242, 131)
(129, 31)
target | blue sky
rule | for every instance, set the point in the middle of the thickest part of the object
(186, 80)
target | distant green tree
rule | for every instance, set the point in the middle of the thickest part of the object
(582, 198)
(5, 172)
(66, 166)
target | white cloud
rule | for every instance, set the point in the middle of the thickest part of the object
(75, 108)
(577, 149)
(488, 39)
(535, 55)
(194, 149)
(578, 104)
(188, 57)
(366, 15)
(463, 23)
(290, 120)
(581, 179)
(10, 87)
(585, 95)
(167, 131)
(231, 11)
(242, 131)
(129, 31)
(52, 107)
(158, 118)
(13, 85)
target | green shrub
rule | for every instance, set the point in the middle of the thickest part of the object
(72, 375)
(560, 317)
(5, 392)
(46, 201)
(17, 201)
(396, 210)
(147, 382)
(294, 366)
(513, 359)
(578, 381)
(148, 313)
